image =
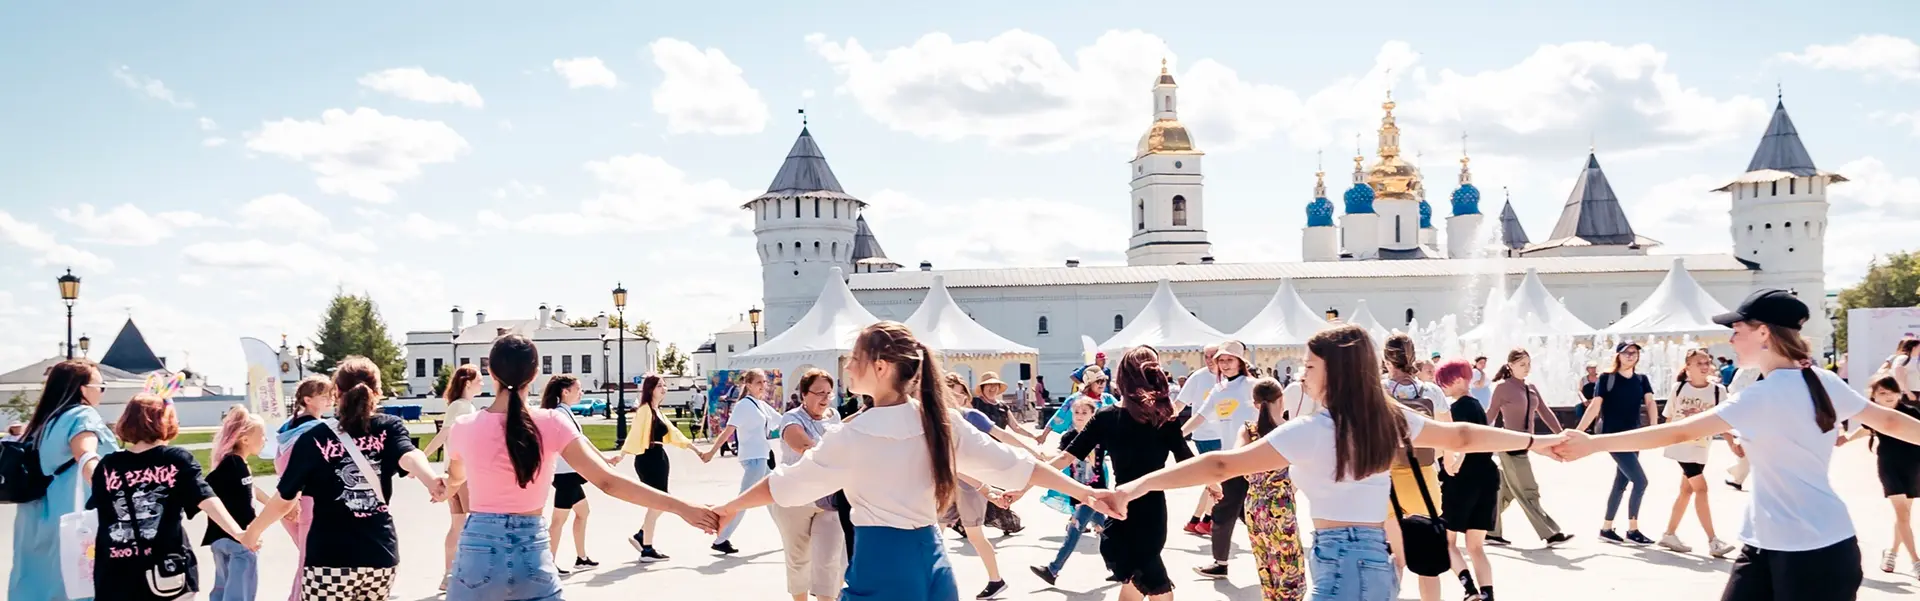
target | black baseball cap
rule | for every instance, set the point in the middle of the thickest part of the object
(1771, 306)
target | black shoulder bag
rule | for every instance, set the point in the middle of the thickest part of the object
(21, 480)
(1423, 536)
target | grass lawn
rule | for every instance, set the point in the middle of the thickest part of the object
(187, 438)
(602, 435)
(261, 467)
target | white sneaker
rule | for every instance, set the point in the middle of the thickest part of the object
(1886, 561)
(1913, 568)
(1720, 548)
(1672, 543)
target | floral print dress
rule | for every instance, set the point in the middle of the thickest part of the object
(1273, 525)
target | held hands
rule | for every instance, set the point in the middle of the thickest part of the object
(1546, 444)
(250, 539)
(1576, 444)
(706, 519)
(1112, 503)
(1214, 491)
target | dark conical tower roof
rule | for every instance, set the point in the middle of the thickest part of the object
(1511, 234)
(131, 353)
(805, 173)
(1780, 148)
(865, 245)
(1592, 212)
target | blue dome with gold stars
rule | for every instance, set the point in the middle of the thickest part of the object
(1466, 200)
(1359, 199)
(1426, 214)
(1320, 212)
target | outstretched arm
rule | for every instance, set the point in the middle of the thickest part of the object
(1202, 470)
(1891, 423)
(586, 460)
(1580, 444)
(1592, 413)
(719, 440)
(1474, 438)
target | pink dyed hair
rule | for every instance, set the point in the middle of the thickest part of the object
(1451, 371)
(233, 427)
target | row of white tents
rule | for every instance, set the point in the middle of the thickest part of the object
(1679, 307)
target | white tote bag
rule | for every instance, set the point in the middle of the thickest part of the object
(77, 538)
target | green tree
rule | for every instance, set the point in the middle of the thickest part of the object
(672, 361)
(352, 326)
(1891, 281)
(440, 380)
(20, 406)
(640, 328)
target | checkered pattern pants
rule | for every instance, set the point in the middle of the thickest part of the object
(345, 584)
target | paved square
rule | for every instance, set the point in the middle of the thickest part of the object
(1584, 569)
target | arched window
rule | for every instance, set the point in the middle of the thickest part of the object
(816, 208)
(1119, 322)
(777, 210)
(1409, 315)
(1396, 228)
(796, 208)
(1167, 103)
(1792, 185)
(1623, 308)
(780, 249)
(1140, 215)
(1041, 326)
(1179, 210)
(1776, 188)
(816, 248)
(836, 209)
(836, 245)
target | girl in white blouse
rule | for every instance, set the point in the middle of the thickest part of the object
(899, 465)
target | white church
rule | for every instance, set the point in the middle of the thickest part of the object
(1385, 248)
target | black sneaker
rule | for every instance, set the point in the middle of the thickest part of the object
(1497, 541)
(1736, 486)
(648, 555)
(638, 541)
(724, 547)
(1045, 573)
(561, 570)
(1558, 537)
(582, 563)
(1215, 570)
(1637, 538)
(1611, 536)
(993, 591)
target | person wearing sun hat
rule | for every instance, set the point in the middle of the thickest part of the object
(1094, 388)
(1229, 406)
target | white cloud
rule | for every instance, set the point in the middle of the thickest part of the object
(1874, 54)
(282, 212)
(362, 153)
(703, 92)
(1024, 232)
(152, 88)
(416, 84)
(214, 142)
(46, 250)
(585, 72)
(1908, 119)
(128, 225)
(208, 125)
(1684, 214)
(637, 192)
(256, 254)
(427, 228)
(1874, 202)
(519, 190)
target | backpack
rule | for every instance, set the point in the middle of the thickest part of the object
(21, 480)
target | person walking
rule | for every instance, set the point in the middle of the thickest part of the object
(899, 463)
(1482, 386)
(1621, 399)
(346, 465)
(1800, 542)
(1339, 457)
(506, 452)
(69, 439)
(810, 534)
(143, 494)
(648, 443)
(753, 423)
(1095, 389)
(1229, 407)
(1469, 486)
(1206, 436)
(1899, 466)
(1518, 406)
(463, 385)
(1694, 393)
(1272, 522)
(1081, 516)
(313, 399)
(972, 501)
(236, 569)
(1404, 384)
(569, 487)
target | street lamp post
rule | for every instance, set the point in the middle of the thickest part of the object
(620, 422)
(85, 343)
(606, 360)
(301, 352)
(753, 317)
(69, 293)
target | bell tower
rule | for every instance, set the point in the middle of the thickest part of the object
(1168, 207)
(1779, 219)
(804, 227)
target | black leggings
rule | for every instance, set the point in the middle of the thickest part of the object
(1830, 573)
(1226, 513)
(845, 507)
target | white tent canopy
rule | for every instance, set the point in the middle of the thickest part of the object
(1285, 321)
(1678, 307)
(944, 327)
(820, 337)
(1363, 317)
(1532, 311)
(1166, 325)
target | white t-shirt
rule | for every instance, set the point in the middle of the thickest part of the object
(753, 423)
(1482, 389)
(1193, 394)
(1308, 445)
(1688, 402)
(1297, 403)
(460, 408)
(1229, 406)
(1794, 507)
(560, 463)
(1913, 371)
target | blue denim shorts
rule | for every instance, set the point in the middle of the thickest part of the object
(1351, 564)
(501, 557)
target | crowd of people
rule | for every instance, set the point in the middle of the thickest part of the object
(1405, 465)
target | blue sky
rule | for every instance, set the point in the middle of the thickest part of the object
(217, 170)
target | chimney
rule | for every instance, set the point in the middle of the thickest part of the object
(601, 321)
(926, 266)
(459, 319)
(1206, 260)
(545, 315)
(560, 314)
(479, 317)
(1073, 262)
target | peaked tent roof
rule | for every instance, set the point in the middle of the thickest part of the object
(1166, 325)
(865, 245)
(1679, 306)
(805, 173)
(1285, 321)
(1363, 317)
(1511, 233)
(1780, 154)
(822, 335)
(1592, 212)
(944, 327)
(130, 352)
(1532, 311)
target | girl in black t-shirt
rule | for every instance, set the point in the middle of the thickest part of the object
(236, 569)
(143, 494)
(1618, 401)
(1899, 465)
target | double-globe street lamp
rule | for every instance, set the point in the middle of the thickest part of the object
(620, 407)
(69, 293)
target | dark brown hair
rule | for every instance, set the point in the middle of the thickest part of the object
(1266, 393)
(892, 342)
(358, 381)
(1787, 343)
(457, 382)
(1506, 369)
(1367, 426)
(1905, 346)
(556, 387)
(809, 377)
(1399, 353)
(147, 418)
(1143, 386)
(61, 391)
(512, 362)
(312, 387)
(647, 386)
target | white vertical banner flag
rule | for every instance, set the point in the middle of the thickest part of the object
(265, 371)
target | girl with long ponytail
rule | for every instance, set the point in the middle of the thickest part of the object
(1800, 542)
(463, 384)
(1518, 406)
(312, 399)
(899, 464)
(506, 453)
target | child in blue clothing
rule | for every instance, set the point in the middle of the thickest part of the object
(1092, 473)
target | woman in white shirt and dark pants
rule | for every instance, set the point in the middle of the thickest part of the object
(753, 421)
(899, 465)
(1800, 542)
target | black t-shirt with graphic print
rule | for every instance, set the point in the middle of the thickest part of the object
(141, 550)
(232, 481)
(351, 526)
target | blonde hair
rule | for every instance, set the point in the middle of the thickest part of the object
(238, 423)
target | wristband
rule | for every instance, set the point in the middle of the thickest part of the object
(1530, 439)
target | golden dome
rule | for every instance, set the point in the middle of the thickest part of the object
(1394, 178)
(1166, 136)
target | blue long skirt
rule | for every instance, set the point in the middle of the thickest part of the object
(899, 565)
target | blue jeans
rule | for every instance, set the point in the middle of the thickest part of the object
(752, 471)
(1628, 472)
(503, 557)
(891, 564)
(1082, 515)
(236, 572)
(1351, 564)
(1206, 446)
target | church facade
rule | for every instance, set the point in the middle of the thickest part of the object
(1381, 247)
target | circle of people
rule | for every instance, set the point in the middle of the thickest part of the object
(1399, 471)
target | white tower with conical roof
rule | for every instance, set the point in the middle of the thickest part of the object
(804, 226)
(1779, 219)
(1168, 209)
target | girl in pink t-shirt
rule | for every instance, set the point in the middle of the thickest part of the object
(504, 455)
